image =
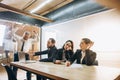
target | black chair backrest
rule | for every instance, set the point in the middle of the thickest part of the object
(95, 63)
(10, 73)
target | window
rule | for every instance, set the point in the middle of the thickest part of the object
(2, 32)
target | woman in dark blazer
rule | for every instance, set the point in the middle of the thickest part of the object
(65, 52)
(83, 55)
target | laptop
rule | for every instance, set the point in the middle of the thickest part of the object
(23, 59)
(21, 56)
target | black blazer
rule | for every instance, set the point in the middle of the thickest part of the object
(68, 54)
(51, 54)
(89, 58)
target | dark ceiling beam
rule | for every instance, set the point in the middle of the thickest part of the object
(0, 0)
(110, 3)
(10, 16)
(29, 4)
(12, 9)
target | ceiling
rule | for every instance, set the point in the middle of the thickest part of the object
(74, 10)
(40, 7)
(15, 3)
(110, 3)
(54, 10)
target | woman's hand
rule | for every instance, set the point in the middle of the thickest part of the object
(67, 63)
(69, 48)
(57, 62)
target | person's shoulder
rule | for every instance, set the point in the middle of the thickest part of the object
(60, 49)
(88, 50)
(54, 48)
(78, 50)
(91, 51)
(94, 52)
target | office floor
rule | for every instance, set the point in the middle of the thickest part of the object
(3, 74)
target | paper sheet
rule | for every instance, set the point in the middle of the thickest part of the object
(76, 66)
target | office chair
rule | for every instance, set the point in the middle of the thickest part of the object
(10, 73)
(95, 63)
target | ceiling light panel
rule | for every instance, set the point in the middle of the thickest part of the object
(45, 6)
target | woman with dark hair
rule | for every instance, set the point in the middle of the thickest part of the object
(83, 55)
(64, 53)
